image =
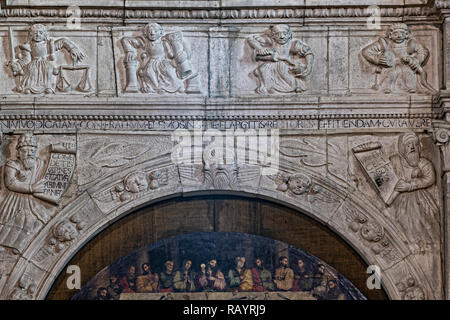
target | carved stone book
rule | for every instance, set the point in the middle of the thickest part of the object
(379, 169)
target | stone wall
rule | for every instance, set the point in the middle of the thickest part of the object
(355, 116)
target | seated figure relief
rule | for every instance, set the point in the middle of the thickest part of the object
(164, 64)
(285, 62)
(399, 61)
(35, 66)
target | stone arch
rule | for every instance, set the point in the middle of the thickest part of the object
(345, 211)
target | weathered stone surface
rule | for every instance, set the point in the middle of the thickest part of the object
(357, 114)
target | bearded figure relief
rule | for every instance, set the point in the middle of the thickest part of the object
(21, 213)
(399, 61)
(35, 65)
(285, 62)
(415, 207)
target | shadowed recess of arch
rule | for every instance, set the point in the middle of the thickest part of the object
(181, 215)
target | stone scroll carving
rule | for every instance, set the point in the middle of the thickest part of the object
(399, 60)
(164, 64)
(32, 189)
(285, 62)
(35, 66)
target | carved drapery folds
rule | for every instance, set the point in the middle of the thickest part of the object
(164, 65)
(399, 60)
(33, 188)
(285, 62)
(35, 67)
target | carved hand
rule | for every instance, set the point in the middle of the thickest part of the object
(76, 54)
(130, 56)
(16, 68)
(402, 186)
(384, 62)
(411, 62)
(38, 187)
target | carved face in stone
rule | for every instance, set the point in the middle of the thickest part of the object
(153, 31)
(409, 148)
(281, 33)
(372, 232)
(65, 231)
(414, 293)
(398, 33)
(38, 33)
(27, 155)
(299, 184)
(136, 182)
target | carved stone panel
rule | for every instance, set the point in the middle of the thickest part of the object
(44, 61)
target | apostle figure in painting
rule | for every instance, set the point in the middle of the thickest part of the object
(399, 59)
(148, 281)
(114, 288)
(333, 292)
(320, 281)
(36, 64)
(20, 212)
(285, 62)
(262, 278)
(284, 276)
(240, 278)
(184, 278)
(128, 281)
(303, 278)
(166, 277)
(201, 279)
(216, 279)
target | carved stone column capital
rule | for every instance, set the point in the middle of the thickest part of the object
(441, 132)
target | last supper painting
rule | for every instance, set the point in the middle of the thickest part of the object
(219, 266)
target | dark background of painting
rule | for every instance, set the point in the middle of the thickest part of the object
(218, 214)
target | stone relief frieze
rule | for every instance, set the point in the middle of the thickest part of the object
(33, 189)
(284, 63)
(399, 62)
(105, 154)
(410, 290)
(372, 233)
(134, 185)
(25, 289)
(164, 65)
(405, 181)
(66, 231)
(36, 69)
(299, 184)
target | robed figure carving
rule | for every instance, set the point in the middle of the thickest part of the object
(286, 62)
(36, 67)
(399, 61)
(20, 212)
(165, 65)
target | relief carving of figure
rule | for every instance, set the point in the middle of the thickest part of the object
(415, 207)
(36, 67)
(20, 211)
(164, 64)
(286, 62)
(399, 61)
